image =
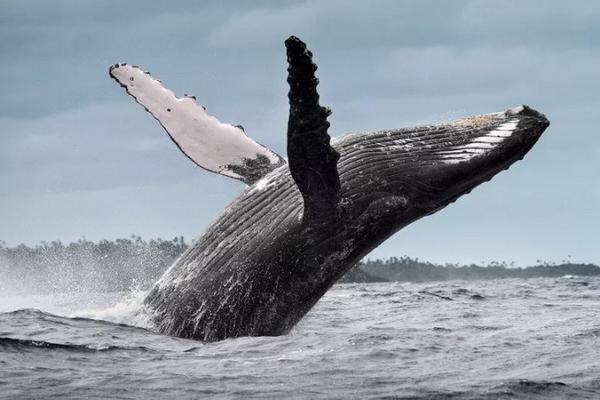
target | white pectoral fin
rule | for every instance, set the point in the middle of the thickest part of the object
(221, 148)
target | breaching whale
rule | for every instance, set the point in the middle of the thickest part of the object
(301, 224)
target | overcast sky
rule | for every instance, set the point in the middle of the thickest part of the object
(78, 158)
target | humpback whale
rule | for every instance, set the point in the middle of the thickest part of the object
(301, 224)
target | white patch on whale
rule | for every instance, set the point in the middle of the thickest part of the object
(209, 143)
(479, 145)
(265, 182)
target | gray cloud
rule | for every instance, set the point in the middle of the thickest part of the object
(416, 24)
(80, 158)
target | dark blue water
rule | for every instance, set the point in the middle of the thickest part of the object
(503, 339)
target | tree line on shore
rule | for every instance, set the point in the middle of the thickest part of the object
(406, 269)
(123, 264)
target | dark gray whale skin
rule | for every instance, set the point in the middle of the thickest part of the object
(277, 248)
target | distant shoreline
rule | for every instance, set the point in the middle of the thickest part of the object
(123, 264)
(406, 269)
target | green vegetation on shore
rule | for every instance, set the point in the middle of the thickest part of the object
(406, 269)
(123, 264)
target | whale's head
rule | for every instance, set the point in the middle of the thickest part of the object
(431, 166)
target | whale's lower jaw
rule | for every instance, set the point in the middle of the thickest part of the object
(259, 267)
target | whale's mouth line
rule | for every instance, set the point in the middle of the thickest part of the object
(485, 139)
(479, 145)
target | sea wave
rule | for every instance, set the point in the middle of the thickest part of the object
(372, 341)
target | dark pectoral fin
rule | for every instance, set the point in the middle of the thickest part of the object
(312, 161)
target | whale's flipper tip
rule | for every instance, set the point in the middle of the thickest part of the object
(312, 160)
(210, 144)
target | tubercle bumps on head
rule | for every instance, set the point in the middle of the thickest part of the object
(476, 121)
(516, 110)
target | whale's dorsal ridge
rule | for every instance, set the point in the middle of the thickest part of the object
(210, 144)
(312, 160)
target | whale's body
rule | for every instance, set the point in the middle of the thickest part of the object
(299, 226)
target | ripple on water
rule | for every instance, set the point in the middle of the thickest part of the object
(527, 340)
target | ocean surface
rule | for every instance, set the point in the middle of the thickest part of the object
(500, 339)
